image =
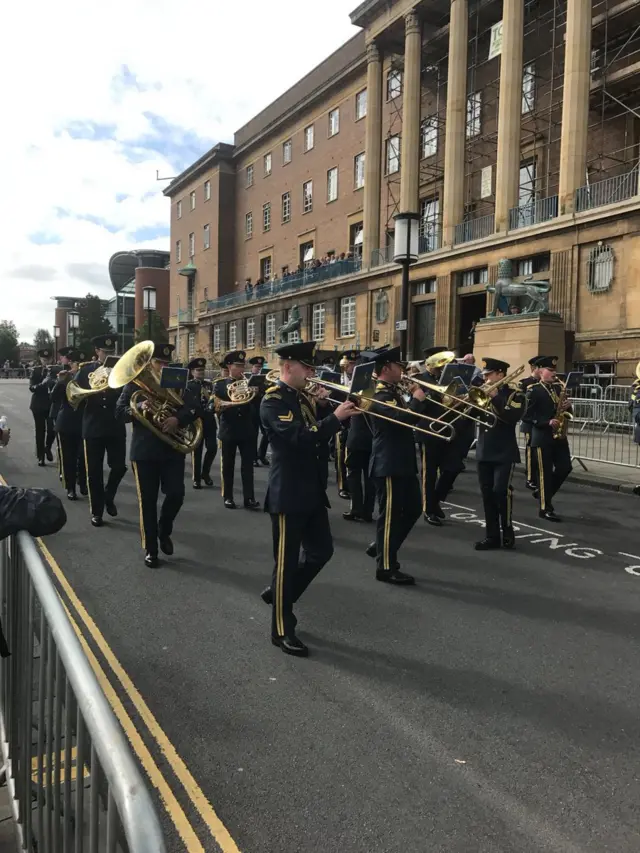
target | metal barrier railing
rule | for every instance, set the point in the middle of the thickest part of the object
(540, 210)
(73, 780)
(474, 229)
(15, 372)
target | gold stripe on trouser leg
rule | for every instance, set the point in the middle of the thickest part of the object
(339, 461)
(193, 467)
(529, 472)
(424, 478)
(61, 462)
(387, 525)
(509, 497)
(143, 538)
(221, 468)
(279, 590)
(86, 468)
(543, 503)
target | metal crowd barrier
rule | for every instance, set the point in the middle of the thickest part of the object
(71, 775)
(15, 372)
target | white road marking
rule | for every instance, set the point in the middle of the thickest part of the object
(631, 570)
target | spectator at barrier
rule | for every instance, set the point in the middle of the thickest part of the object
(634, 406)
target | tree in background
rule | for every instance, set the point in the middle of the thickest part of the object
(91, 322)
(8, 342)
(159, 332)
(43, 340)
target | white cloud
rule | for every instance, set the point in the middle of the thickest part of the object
(204, 68)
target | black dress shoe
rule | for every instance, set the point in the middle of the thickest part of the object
(508, 538)
(111, 508)
(49, 454)
(352, 516)
(41, 463)
(344, 494)
(206, 479)
(549, 515)
(395, 576)
(256, 464)
(267, 595)
(264, 461)
(151, 561)
(438, 512)
(535, 494)
(197, 484)
(291, 645)
(433, 519)
(230, 503)
(84, 491)
(96, 520)
(531, 485)
(252, 503)
(371, 550)
(166, 545)
(72, 496)
(488, 544)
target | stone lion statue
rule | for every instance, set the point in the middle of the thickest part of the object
(293, 324)
(536, 292)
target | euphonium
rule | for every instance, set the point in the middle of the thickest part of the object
(98, 384)
(163, 403)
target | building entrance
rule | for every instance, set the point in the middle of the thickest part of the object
(424, 318)
(472, 308)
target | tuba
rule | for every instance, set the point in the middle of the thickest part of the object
(135, 366)
(98, 384)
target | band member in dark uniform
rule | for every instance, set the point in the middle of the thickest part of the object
(69, 429)
(497, 453)
(52, 414)
(394, 471)
(546, 405)
(156, 465)
(65, 362)
(358, 458)
(262, 442)
(102, 434)
(237, 433)
(203, 391)
(531, 458)
(347, 365)
(296, 496)
(40, 404)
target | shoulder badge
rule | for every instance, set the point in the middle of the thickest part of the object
(272, 389)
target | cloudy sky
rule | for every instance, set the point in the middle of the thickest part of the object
(98, 96)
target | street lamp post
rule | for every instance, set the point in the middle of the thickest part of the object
(73, 319)
(149, 302)
(56, 335)
(405, 252)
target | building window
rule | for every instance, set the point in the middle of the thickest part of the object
(332, 184)
(267, 164)
(248, 225)
(192, 244)
(233, 335)
(191, 344)
(308, 138)
(192, 200)
(207, 190)
(429, 229)
(528, 88)
(265, 268)
(361, 104)
(251, 333)
(307, 197)
(471, 277)
(527, 193)
(334, 122)
(217, 343)
(307, 253)
(207, 236)
(292, 337)
(525, 267)
(287, 150)
(474, 108)
(318, 322)
(266, 216)
(358, 171)
(600, 268)
(393, 155)
(356, 235)
(179, 209)
(178, 251)
(429, 137)
(394, 83)
(347, 316)
(270, 330)
(429, 285)
(286, 207)
(249, 176)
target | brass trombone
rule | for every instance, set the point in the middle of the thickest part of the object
(474, 407)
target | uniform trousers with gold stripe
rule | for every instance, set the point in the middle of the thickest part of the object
(531, 462)
(115, 448)
(554, 466)
(340, 460)
(302, 546)
(150, 477)
(497, 495)
(72, 464)
(399, 505)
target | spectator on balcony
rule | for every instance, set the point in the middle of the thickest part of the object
(515, 309)
(248, 288)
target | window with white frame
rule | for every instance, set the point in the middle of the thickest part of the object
(217, 341)
(347, 316)
(332, 184)
(233, 335)
(307, 197)
(192, 200)
(308, 138)
(358, 171)
(429, 285)
(477, 276)
(179, 209)
(286, 207)
(600, 268)
(393, 155)
(394, 83)
(265, 268)
(192, 244)
(318, 321)
(270, 330)
(292, 337)
(527, 193)
(361, 104)
(266, 216)
(528, 88)
(251, 333)
(178, 251)
(334, 122)
(249, 176)
(248, 225)
(474, 110)
(207, 190)
(429, 137)
(287, 151)
(206, 240)
(525, 266)
(191, 344)
(267, 164)
(429, 228)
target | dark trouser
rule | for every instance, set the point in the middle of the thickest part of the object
(45, 435)
(263, 444)
(72, 461)
(341, 468)
(531, 462)
(359, 483)
(430, 466)
(554, 466)
(293, 571)
(247, 448)
(199, 468)
(150, 477)
(94, 450)
(399, 507)
(497, 495)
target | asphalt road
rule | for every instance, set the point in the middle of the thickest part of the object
(492, 707)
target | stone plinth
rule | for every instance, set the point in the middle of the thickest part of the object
(516, 339)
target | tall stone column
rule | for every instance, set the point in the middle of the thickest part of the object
(373, 155)
(509, 112)
(410, 153)
(575, 102)
(453, 193)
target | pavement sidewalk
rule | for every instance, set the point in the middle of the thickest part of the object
(8, 839)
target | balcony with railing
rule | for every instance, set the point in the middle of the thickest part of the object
(184, 316)
(609, 191)
(430, 239)
(533, 213)
(474, 229)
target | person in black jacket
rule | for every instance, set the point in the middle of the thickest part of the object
(39, 406)
(203, 390)
(358, 460)
(102, 433)
(69, 429)
(262, 442)
(237, 433)
(296, 493)
(156, 465)
(531, 457)
(497, 453)
(347, 366)
(63, 367)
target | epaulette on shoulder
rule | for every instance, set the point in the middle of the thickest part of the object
(380, 386)
(272, 390)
